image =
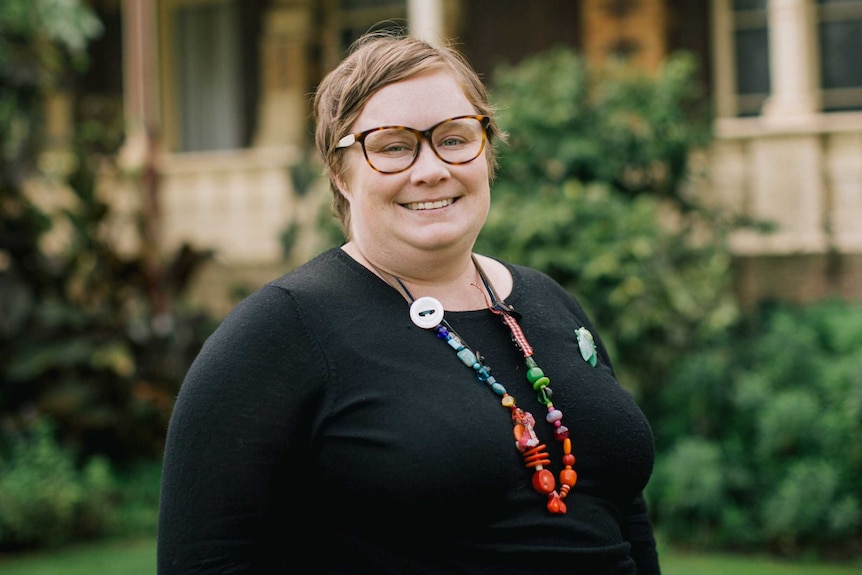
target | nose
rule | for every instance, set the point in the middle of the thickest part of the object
(428, 168)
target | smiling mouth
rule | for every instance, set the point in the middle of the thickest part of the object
(429, 205)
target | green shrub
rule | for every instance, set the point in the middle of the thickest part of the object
(807, 504)
(138, 500)
(45, 499)
(596, 188)
(786, 423)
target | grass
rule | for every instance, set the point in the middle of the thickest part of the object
(134, 557)
(675, 562)
(138, 557)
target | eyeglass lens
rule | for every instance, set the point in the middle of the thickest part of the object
(455, 141)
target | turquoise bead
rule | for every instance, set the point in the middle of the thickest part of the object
(467, 357)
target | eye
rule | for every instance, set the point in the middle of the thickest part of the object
(391, 143)
(457, 135)
(395, 148)
(452, 141)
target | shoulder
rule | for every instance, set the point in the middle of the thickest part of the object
(280, 305)
(531, 288)
(512, 280)
(320, 272)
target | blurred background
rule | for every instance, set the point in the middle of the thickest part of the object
(691, 170)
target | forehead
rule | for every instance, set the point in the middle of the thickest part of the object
(418, 102)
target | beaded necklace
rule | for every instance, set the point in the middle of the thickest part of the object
(427, 313)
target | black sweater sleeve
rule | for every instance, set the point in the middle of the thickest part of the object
(639, 532)
(237, 423)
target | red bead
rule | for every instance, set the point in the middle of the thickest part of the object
(543, 481)
(568, 460)
(555, 503)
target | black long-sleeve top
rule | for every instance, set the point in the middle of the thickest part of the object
(321, 431)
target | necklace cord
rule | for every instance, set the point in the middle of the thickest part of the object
(532, 450)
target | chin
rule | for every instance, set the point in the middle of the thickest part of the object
(440, 239)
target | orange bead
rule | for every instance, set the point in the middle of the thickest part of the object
(537, 460)
(555, 503)
(543, 481)
(567, 446)
(518, 429)
(537, 456)
(568, 477)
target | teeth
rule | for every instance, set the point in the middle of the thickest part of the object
(428, 205)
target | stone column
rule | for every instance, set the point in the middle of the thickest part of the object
(425, 18)
(140, 65)
(792, 57)
(724, 94)
(287, 29)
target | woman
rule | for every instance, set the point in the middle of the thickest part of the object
(388, 407)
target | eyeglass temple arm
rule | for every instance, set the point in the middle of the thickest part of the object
(346, 141)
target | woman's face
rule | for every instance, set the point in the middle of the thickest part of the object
(430, 206)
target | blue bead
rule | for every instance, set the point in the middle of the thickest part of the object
(467, 357)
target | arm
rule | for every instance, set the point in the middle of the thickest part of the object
(639, 532)
(240, 423)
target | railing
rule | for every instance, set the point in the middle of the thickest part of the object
(804, 176)
(237, 203)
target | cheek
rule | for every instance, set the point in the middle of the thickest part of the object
(480, 179)
(349, 180)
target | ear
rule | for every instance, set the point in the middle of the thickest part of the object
(341, 186)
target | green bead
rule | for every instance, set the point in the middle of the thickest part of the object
(540, 383)
(534, 373)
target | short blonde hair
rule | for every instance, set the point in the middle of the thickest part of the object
(376, 60)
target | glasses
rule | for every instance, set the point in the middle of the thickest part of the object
(393, 149)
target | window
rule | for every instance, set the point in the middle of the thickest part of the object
(208, 100)
(751, 57)
(840, 37)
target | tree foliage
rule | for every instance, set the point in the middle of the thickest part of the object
(92, 336)
(596, 189)
(773, 417)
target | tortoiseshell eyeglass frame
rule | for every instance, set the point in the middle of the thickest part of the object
(351, 139)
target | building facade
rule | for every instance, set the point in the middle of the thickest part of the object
(223, 87)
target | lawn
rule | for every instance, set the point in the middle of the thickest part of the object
(138, 557)
(675, 562)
